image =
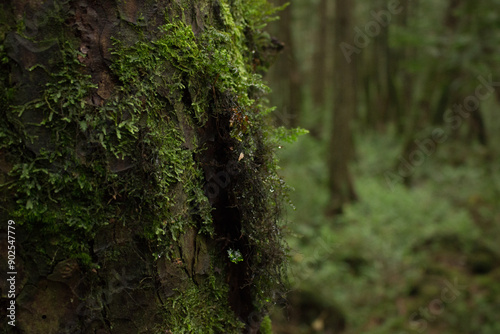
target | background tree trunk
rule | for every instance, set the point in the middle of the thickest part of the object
(134, 163)
(321, 56)
(285, 78)
(341, 146)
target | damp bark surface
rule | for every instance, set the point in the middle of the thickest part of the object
(135, 161)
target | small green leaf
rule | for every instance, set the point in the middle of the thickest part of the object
(83, 125)
(283, 134)
(234, 255)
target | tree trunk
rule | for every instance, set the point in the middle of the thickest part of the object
(320, 64)
(285, 78)
(341, 146)
(134, 167)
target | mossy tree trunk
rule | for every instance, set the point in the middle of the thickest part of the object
(137, 164)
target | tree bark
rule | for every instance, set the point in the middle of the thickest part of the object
(320, 56)
(135, 167)
(285, 78)
(341, 145)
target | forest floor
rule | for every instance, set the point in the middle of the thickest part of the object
(421, 258)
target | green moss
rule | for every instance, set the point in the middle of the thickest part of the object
(214, 71)
(54, 168)
(265, 326)
(201, 309)
(135, 158)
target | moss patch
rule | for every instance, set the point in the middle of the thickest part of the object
(201, 309)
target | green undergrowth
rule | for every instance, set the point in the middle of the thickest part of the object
(393, 252)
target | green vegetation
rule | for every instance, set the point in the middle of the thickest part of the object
(201, 310)
(234, 255)
(265, 326)
(131, 153)
(393, 252)
(418, 251)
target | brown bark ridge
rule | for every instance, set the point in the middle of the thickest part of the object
(136, 167)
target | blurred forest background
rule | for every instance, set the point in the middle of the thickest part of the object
(397, 185)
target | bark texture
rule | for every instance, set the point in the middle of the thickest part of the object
(135, 161)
